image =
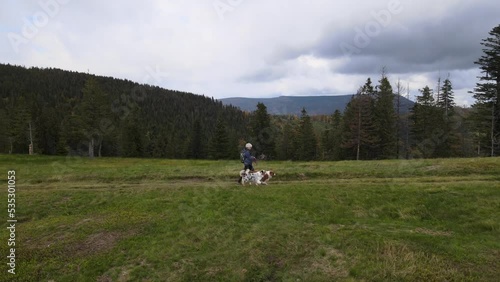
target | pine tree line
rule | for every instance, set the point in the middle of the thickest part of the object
(102, 119)
(69, 113)
(370, 128)
(373, 126)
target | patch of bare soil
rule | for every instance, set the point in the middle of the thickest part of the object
(97, 243)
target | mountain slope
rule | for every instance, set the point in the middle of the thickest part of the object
(315, 105)
(119, 117)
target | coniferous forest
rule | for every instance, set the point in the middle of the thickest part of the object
(56, 112)
(62, 112)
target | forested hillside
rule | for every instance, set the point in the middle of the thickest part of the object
(63, 112)
(56, 112)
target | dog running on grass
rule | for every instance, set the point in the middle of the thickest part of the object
(257, 177)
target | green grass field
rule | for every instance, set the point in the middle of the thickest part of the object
(111, 219)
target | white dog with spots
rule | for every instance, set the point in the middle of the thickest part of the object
(257, 177)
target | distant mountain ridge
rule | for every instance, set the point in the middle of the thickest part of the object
(315, 105)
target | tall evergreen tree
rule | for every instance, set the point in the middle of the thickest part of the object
(219, 145)
(358, 135)
(368, 89)
(487, 92)
(196, 145)
(385, 119)
(287, 147)
(92, 111)
(425, 123)
(447, 99)
(47, 133)
(4, 123)
(70, 141)
(160, 144)
(332, 138)
(448, 144)
(401, 124)
(337, 127)
(18, 130)
(262, 132)
(307, 138)
(132, 137)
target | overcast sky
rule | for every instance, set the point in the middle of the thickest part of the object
(254, 48)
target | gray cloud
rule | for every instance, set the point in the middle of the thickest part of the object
(263, 75)
(450, 42)
(259, 48)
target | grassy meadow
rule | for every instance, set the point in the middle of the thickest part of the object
(114, 219)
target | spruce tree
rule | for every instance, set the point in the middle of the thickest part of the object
(307, 138)
(71, 137)
(447, 100)
(401, 122)
(132, 137)
(448, 143)
(92, 111)
(219, 145)
(18, 129)
(160, 144)
(47, 133)
(196, 147)
(332, 138)
(358, 136)
(385, 120)
(4, 123)
(368, 89)
(487, 93)
(425, 127)
(263, 136)
(286, 149)
(337, 126)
